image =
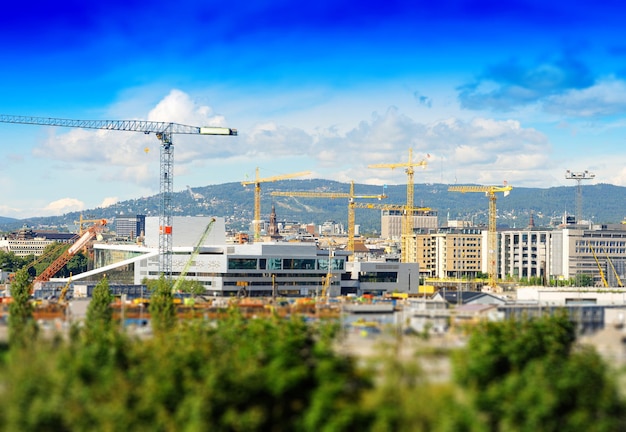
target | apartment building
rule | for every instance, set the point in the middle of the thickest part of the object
(525, 253)
(450, 252)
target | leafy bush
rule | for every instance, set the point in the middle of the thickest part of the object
(239, 374)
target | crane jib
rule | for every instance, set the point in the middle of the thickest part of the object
(120, 125)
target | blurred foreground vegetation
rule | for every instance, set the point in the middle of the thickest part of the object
(273, 374)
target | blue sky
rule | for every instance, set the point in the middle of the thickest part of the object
(517, 91)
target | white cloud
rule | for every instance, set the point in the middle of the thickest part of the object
(605, 98)
(8, 211)
(108, 201)
(270, 139)
(461, 150)
(61, 206)
(134, 157)
(472, 151)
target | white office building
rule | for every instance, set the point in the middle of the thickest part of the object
(257, 269)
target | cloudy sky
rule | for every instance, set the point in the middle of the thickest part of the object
(486, 91)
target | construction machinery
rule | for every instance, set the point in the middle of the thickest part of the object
(492, 239)
(617, 278)
(257, 195)
(65, 290)
(164, 132)
(407, 226)
(605, 283)
(328, 279)
(193, 256)
(63, 259)
(337, 195)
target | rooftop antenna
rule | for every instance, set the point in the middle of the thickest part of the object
(579, 177)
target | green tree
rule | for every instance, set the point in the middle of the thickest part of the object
(10, 262)
(235, 374)
(99, 313)
(22, 327)
(529, 375)
(76, 265)
(162, 310)
(583, 280)
(193, 287)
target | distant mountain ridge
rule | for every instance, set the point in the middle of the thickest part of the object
(602, 203)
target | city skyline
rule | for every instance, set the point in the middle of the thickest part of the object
(485, 91)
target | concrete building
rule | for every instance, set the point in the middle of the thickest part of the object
(525, 253)
(549, 254)
(564, 253)
(450, 252)
(258, 269)
(380, 277)
(563, 296)
(573, 250)
(32, 242)
(391, 222)
(130, 226)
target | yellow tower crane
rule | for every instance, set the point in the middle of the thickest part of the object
(407, 225)
(257, 195)
(81, 223)
(492, 239)
(335, 195)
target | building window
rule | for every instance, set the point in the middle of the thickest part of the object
(378, 277)
(242, 264)
(336, 264)
(274, 264)
(298, 264)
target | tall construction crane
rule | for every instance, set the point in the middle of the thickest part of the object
(164, 132)
(407, 226)
(335, 195)
(492, 239)
(257, 195)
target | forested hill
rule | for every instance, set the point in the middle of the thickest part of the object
(602, 203)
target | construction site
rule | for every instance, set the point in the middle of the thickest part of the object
(329, 274)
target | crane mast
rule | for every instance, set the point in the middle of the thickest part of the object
(407, 225)
(492, 239)
(164, 132)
